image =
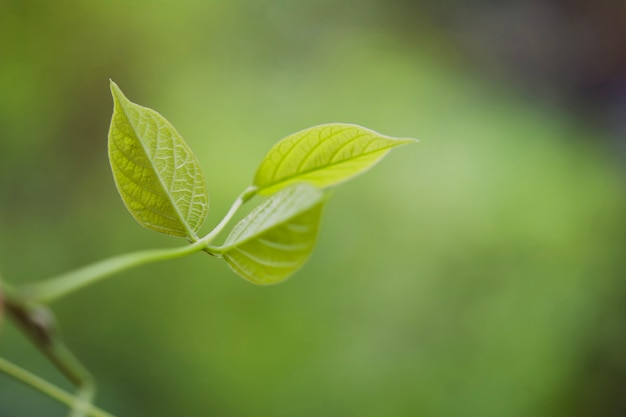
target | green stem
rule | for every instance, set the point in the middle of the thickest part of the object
(38, 323)
(64, 284)
(65, 360)
(245, 196)
(25, 306)
(47, 388)
(59, 286)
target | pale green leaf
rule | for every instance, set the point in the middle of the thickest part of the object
(277, 237)
(323, 155)
(155, 171)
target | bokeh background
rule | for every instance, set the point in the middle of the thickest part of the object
(480, 272)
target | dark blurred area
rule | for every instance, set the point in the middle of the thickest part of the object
(480, 272)
(570, 52)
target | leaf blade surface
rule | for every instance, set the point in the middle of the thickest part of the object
(155, 171)
(323, 156)
(276, 238)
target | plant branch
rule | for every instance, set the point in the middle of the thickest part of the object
(38, 323)
(47, 388)
(61, 285)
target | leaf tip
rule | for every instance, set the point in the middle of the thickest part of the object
(116, 91)
(409, 140)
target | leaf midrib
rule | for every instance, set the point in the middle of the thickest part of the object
(260, 232)
(142, 110)
(308, 171)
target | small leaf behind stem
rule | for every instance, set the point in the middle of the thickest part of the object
(322, 155)
(277, 237)
(155, 171)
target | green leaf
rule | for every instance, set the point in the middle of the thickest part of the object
(155, 171)
(323, 155)
(277, 237)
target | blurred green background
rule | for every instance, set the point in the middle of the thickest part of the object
(479, 272)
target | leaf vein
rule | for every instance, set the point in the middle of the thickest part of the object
(336, 151)
(291, 247)
(150, 208)
(265, 262)
(284, 156)
(320, 143)
(137, 182)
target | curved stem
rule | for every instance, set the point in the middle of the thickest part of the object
(39, 325)
(47, 388)
(85, 387)
(64, 284)
(246, 195)
(25, 304)
(61, 285)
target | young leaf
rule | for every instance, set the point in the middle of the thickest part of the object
(155, 171)
(277, 237)
(323, 155)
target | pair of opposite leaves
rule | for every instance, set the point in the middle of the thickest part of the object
(161, 183)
